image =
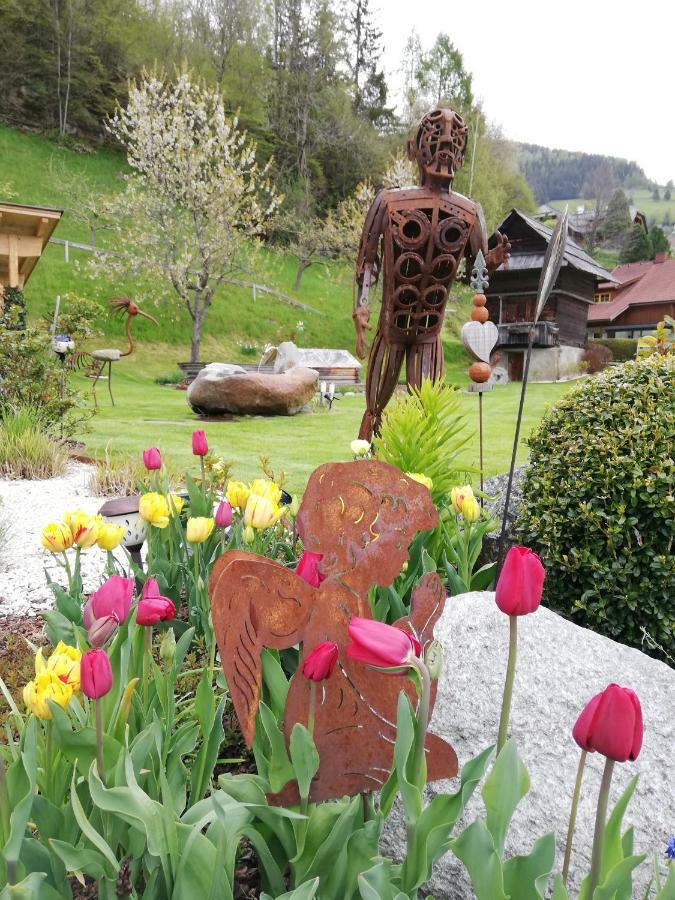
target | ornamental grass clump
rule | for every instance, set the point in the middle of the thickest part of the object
(598, 503)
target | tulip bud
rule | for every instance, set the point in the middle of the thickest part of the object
(421, 479)
(152, 459)
(520, 582)
(198, 529)
(223, 517)
(458, 495)
(109, 536)
(308, 568)
(96, 677)
(113, 598)
(433, 659)
(101, 630)
(84, 528)
(611, 724)
(470, 509)
(154, 508)
(199, 444)
(237, 494)
(154, 610)
(320, 663)
(377, 644)
(167, 649)
(56, 537)
(248, 535)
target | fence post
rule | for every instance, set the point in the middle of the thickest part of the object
(65, 251)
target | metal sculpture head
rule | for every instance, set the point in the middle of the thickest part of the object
(439, 145)
(129, 307)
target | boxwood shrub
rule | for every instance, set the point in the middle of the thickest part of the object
(598, 503)
(622, 349)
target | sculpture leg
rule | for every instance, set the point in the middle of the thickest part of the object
(424, 361)
(383, 370)
(110, 381)
(96, 378)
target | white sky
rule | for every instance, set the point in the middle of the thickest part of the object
(589, 75)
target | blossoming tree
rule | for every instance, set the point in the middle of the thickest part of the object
(196, 197)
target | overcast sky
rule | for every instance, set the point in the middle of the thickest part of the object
(585, 75)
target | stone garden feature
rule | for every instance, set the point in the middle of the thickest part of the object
(220, 389)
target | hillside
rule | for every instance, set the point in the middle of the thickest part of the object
(558, 174)
(36, 171)
(658, 212)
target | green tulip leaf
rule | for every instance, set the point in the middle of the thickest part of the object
(619, 879)
(504, 788)
(306, 891)
(613, 851)
(79, 859)
(667, 892)
(527, 877)
(280, 770)
(559, 889)
(32, 887)
(475, 847)
(378, 882)
(304, 757)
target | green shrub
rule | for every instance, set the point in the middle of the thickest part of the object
(622, 349)
(26, 451)
(598, 502)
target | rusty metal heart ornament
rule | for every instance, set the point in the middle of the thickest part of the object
(480, 338)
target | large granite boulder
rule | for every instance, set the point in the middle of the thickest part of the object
(560, 666)
(214, 392)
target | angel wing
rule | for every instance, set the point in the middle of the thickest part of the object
(426, 605)
(255, 603)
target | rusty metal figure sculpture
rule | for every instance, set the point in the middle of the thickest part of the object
(416, 237)
(97, 360)
(361, 516)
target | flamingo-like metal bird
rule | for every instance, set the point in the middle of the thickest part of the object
(99, 359)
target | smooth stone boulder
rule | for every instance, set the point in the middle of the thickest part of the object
(253, 393)
(560, 667)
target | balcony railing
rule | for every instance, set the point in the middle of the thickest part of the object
(516, 334)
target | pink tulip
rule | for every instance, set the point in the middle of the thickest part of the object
(377, 644)
(611, 723)
(321, 662)
(152, 459)
(308, 568)
(96, 676)
(199, 445)
(152, 607)
(520, 582)
(113, 598)
(101, 630)
(223, 516)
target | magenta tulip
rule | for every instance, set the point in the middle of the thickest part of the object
(199, 444)
(223, 516)
(154, 610)
(611, 724)
(377, 644)
(308, 568)
(102, 630)
(96, 676)
(152, 459)
(520, 582)
(321, 662)
(113, 598)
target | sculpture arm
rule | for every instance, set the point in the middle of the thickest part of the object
(367, 271)
(478, 240)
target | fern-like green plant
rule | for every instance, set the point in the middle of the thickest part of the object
(424, 432)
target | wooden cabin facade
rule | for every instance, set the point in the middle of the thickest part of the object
(560, 334)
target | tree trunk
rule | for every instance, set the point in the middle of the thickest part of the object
(302, 265)
(196, 341)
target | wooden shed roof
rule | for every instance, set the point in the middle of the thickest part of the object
(24, 233)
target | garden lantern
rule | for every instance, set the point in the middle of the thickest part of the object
(123, 511)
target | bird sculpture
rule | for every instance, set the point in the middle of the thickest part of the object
(97, 360)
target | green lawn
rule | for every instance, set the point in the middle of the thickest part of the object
(148, 414)
(654, 210)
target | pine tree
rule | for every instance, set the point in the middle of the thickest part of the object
(617, 219)
(637, 247)
(658, 241)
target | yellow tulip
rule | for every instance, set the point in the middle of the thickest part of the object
(237, 494)
(248, 535)
(56, 537)
(109, 536)
(458, 495)
(471, 509)
(154, 508)
(263, 487)
(260, 512)
(423, 479)
(176, 504)
(44, 687)
(64, 662)
(198, 529)
(83, 527)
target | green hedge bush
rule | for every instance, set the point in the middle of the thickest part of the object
(622, 349)
(598, 502)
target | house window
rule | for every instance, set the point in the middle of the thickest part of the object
(604, 297)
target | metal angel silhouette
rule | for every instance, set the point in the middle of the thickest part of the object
(361, 516)
(416, 236)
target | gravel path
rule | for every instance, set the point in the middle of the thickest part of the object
(25, 508)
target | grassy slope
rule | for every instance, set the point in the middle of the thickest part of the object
(654, 210)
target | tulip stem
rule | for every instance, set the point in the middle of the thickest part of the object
(419, 764)
(49, 759)
(99, 741)
(508, 684)
(573, 816)
(203, 468)
(147, 650)
(599, 833)
(312, 706)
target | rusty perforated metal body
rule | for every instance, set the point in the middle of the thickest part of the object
(362, 517)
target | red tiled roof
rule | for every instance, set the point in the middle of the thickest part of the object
(642, 283)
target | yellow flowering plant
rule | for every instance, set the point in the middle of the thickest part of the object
(464, 525)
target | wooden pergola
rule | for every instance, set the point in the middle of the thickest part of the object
(24, 233)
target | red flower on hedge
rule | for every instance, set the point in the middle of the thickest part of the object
(611, 724)
(520, 582)
(321, 662)
(377, 644)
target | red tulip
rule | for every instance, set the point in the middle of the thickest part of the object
(152, 459)
(152, 607)
(308, 568)
(113, 598)
(223, 516)
(102, 629)
(520, 582)
(377, 644)
(321, 662)
(611, 723)
(96, 676)
(199, 445)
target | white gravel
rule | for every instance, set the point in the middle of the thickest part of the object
(25, 508)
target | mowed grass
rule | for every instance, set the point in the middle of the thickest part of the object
(147, 414)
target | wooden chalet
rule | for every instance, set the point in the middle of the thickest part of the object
(560, 334)
(24, 233)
